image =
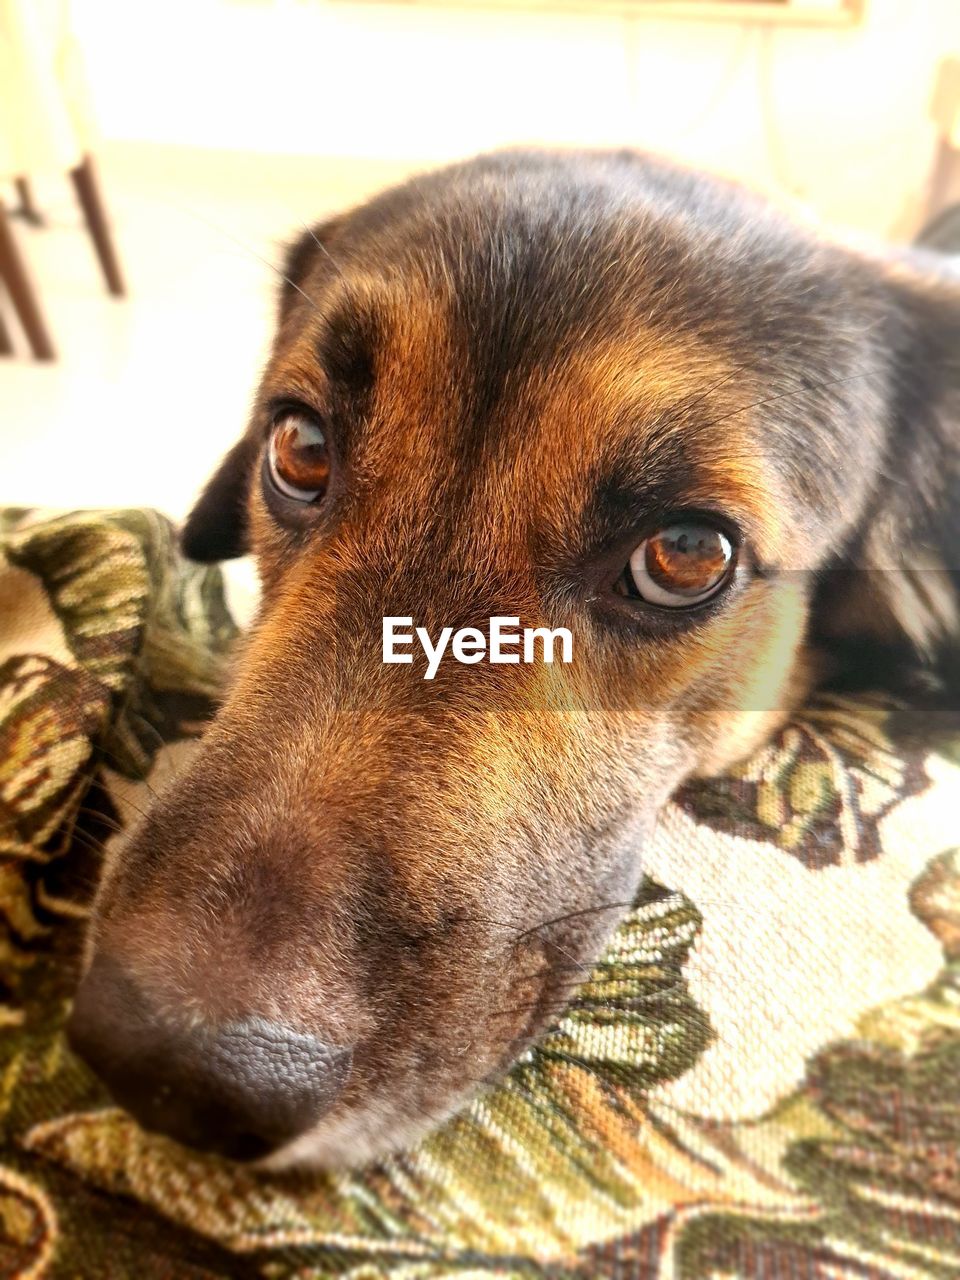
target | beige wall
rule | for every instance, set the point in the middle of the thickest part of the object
(835, 117)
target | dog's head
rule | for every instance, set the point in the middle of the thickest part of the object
(589, 391)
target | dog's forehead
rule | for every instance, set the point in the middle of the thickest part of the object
(588, 336)
(532, 251)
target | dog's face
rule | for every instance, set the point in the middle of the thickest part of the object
(591, 392)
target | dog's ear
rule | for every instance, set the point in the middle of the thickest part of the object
(217, 527)
(894, 591)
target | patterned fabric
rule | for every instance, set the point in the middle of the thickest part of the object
(760, 1079)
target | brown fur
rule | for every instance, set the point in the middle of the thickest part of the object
(524, 364)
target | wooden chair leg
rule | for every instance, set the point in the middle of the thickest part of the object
(27, 208)
(6, 342)
(88, 193)
(13, 273)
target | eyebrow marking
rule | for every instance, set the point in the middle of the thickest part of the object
(630, 494)
(346, 345)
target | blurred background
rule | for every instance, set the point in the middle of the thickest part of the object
(193, 137)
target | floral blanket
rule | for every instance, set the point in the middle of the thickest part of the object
(761, 1078)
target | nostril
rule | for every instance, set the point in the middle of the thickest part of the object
(242, 1090)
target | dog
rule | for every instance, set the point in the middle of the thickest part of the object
(584, 390)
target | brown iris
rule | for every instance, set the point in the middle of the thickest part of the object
(299, 458)
(681, 564)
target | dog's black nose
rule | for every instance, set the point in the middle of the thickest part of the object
(242, 1090)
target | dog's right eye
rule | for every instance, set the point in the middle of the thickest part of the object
(298, 458)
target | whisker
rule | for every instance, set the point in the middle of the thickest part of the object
(554, 1010)
(87, 839)
(192, 213)
(722, 382)
(111, 823)
(513, 926)
(322, 247)
(122, 767)
(786, 395)
(123, 800)
(573, 915)
(571, 997)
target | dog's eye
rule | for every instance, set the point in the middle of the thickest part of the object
(299, 459)
(680, 565)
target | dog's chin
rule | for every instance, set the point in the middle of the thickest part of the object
(356, 1138)
(370, 1130)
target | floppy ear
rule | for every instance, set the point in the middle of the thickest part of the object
(894, 592)
(217, 527)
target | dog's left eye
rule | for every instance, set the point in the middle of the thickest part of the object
(681, 565)
(299, 459)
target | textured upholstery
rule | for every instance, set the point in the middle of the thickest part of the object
(760, 1079)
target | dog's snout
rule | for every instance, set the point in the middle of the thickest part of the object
(241, 1090)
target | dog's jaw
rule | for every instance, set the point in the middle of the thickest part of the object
(357, 1138)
